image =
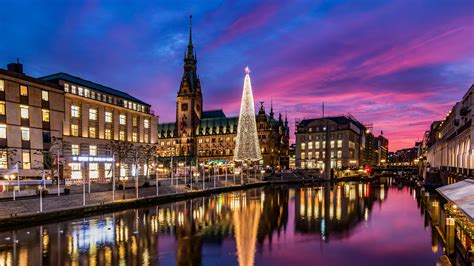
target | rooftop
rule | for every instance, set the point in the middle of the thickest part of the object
(461, 194)
(91, 85)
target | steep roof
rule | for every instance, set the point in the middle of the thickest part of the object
(91, 85)
(30, 79)
(213, 114)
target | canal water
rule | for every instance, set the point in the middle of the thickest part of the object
(338, 224)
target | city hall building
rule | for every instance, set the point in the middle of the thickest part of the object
(209, 136)
(31, 112)
(94, 115)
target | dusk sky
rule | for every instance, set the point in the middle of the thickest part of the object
(396, 64)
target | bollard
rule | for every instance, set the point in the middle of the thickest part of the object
(450, 224)
(435, 212)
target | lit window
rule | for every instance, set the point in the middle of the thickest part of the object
(122, 135)
(75, 170)
(122, 119)
(74, 130)
(108, 170)
(332, 144)
(2, 108)
(93, 170)
(45, 96)
(134, 106)
(324, 144)
(93, 94)
(134, 137)
(339, 154)
(93, 150)
(66, 87)
(23, 90)
(75, 111)
(339, 143)
(108, 117)
(73, 89)
(310, 145)
(146, 123)
(26, 159)
(75, 149)
(145, 137)
(110, 99)
(92, 132)
(303, 146)
(303, 156)
(129, 105)
(25, 134)
(124, 103)
(2, 85)
(317, 144)
(3, 131)
(316, 154)
(79, 91)
(134, 121)
(87, 93)
(45, 115)
(3, 160)
(24, 114)
(92, 114)
(108, 134)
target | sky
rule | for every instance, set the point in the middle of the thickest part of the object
(397, 65)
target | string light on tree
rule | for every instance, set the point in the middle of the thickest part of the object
(247, 147)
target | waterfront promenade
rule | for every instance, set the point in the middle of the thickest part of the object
(100, 199)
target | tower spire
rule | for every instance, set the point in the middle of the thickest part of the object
(271, 108)
(190, 43)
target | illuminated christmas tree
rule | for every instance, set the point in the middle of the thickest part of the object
(247, 147)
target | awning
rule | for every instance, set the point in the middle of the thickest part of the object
(461, 194)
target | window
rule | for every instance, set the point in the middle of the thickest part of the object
(25, 155)
(134, 106)
(310, 155)
(125, 104)
(324, 144)
(316, 154)
(93, 150)
(310, 145)
(339, 154)
(134, 137)
(303, 146)
(74, 130)
(122, 135)
(92, 114)
(2, 85)
(108, 134)
(93, 94)
(303, 155)
(87, 93)
(23, 90)
(184, 107)
(339, 143)
(79, 91)
(92, 133)
(75, 149)
(46, 137)
(75, 111)
(73, 89)
(122, 119)
(93, 170)
(134, 121)
(146, 123)
(108, 117)
(2, 108)
(108, 170)
(317, 144)
(66, 87)
(3, 131)
(3, 160)
(332, 144)
(75, 170)
(25, 134)
(145, 137)
(45, 96)
(45, 115)
(24, 114)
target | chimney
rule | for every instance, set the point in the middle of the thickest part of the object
(16, 67)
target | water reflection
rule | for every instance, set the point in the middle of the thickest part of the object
(231, 228)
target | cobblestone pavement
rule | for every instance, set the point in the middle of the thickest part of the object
(102, 193)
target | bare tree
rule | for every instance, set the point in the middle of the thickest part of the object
(148, 153)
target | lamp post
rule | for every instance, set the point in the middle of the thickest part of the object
(203, 176)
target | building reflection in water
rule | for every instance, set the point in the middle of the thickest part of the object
(179, 233)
